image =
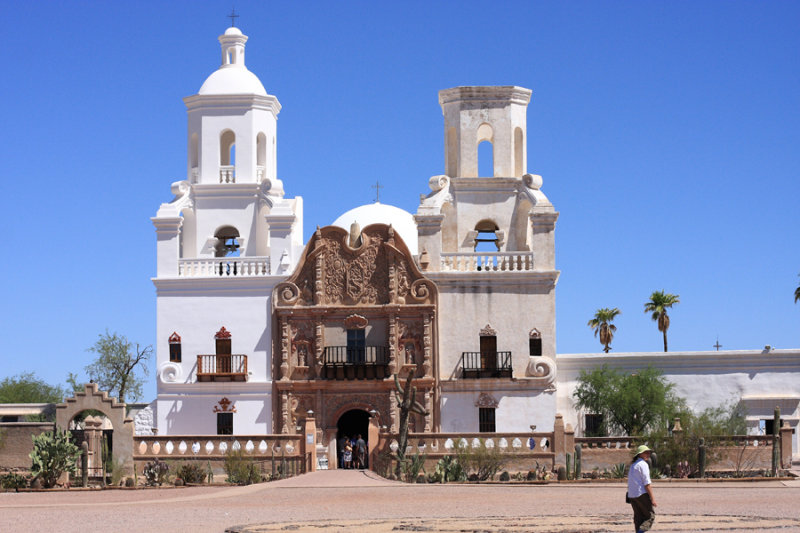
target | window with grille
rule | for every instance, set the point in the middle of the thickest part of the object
(536, 346)
(594, 425)
(486, 420)
(175, 348)
(356, 345)
(224, 423)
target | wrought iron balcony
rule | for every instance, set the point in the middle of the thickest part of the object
(367, 362)
(224, 367)
(490, 364)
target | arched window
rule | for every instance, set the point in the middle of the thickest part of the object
(487, 239)
(227, 157)
(227, 148)
(485, 138)
(227, 242)
(194, 156)
(261, 155)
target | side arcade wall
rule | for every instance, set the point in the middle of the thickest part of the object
(16, 442)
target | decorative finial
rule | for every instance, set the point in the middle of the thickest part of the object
(233, 16)
(377, 188)
(717, 345)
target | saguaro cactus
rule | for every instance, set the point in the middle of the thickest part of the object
(569, 466)
(776, 441)
(701, 457)
(578, 459)
(406, 400)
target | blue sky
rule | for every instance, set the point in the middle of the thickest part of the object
(667, 135)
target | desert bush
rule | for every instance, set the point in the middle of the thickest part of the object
(241, 469)
(505, 476)
(156, 472)
(481, 461)
(191, 472)
(53, 454)
(14, 481)
(677, 453)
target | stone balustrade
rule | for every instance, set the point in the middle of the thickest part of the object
(227, 174)
(447, 443)
(224, 267)
(486, 262)
(215, 446)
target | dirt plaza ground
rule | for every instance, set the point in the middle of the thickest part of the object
(344, 501)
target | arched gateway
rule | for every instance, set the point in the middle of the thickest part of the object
(92, 399)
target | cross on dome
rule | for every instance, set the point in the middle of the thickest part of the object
(233, 16)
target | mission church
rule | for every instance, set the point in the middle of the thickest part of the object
(255, 328)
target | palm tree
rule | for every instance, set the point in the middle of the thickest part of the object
(797, 294)
(659, 302)
(602, 324)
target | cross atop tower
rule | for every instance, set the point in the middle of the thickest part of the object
(717, 345)
(377, 188)
(233, 16)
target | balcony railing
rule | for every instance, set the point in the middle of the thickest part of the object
(487, 262)
(227, 174)
(224, 267)
(224, 367)
(367, 362)
(490, 364)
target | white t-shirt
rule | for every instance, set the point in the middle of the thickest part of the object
(638, 478)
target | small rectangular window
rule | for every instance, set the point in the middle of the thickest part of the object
(769, 425)
(224, 423)
(486, 420)
(536, 347)
(175, 352)
(593, 424)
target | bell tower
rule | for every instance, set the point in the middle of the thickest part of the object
(232, 122)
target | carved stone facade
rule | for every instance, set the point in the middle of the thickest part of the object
(356, 311)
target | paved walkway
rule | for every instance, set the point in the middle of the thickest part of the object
(360, 501)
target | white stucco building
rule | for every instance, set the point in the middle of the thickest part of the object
(255, 327)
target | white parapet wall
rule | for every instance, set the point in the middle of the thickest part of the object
(760, 379)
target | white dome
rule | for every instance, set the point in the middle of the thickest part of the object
(233, 31)
(233, 79)
(401, 221)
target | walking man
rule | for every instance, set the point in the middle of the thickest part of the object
(640, 491)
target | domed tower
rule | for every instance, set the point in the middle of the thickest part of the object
(232, 122)
(224, 241)
(486, 237)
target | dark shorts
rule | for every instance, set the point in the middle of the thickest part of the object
(643, 513)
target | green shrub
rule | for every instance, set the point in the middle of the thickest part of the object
(155, 472)
(505, 476)
(482, 461)
(191, 472)
(53, 454)
(14, 481)
(241, 469)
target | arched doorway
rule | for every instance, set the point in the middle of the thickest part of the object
(94, 428)
(351, 424)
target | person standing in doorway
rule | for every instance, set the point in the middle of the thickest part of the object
(361, 452)
(340, 448)
(640, 490)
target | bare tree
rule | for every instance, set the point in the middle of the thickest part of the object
(115, 368)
